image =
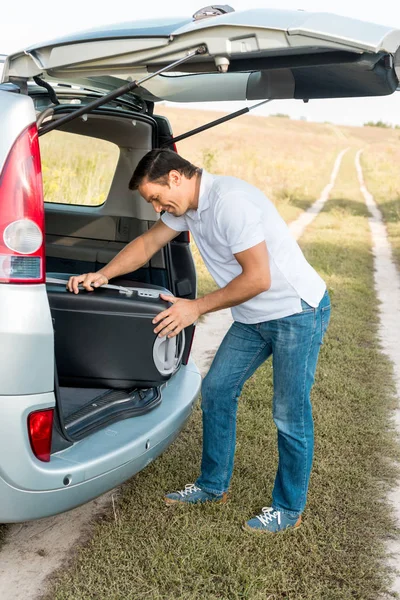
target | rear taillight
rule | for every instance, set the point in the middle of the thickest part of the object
(22, 213)
(40, 429)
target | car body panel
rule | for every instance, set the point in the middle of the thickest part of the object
(26, 331)
(17, 113)
(324, 28)
(26, 340)
(2, 61)
(22, 505)
(321, 26)
(251, 40)
(31, 489)
(145, 28)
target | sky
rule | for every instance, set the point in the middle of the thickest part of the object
(25, 22)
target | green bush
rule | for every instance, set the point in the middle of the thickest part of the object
(378, 124)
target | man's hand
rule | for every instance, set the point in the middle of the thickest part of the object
(181, 314)
(88, 281)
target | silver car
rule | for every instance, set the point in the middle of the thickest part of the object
(78, 113)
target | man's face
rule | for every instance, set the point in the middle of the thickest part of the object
(173, 198)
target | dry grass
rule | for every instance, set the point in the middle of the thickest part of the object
(205, 283)
(382, 175)
(290, 161)
(77, 169)
(154, 552)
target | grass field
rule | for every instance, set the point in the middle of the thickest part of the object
(77, 169)
(382, 175)
(290, 161)
(144, 550)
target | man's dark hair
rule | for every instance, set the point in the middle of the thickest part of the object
(156, 165)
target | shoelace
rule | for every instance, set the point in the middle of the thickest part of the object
(268, 515)
(190, 488)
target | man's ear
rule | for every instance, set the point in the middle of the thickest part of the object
(175, 177)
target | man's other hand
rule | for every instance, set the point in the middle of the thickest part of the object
(181, 314)
(89, 281)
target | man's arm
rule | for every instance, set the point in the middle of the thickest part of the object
(254, 279)
(135, 254)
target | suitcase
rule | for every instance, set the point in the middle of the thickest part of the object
(105, 338)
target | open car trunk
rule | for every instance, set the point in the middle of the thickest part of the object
(110, 364)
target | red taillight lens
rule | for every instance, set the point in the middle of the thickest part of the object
(40, 428)
(22, 252)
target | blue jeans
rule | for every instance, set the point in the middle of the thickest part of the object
(294, 343)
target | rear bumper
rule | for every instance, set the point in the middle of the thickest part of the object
(30, 489)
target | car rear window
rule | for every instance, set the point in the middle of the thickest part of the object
(77, 169)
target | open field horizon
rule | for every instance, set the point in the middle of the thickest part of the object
(291, 161)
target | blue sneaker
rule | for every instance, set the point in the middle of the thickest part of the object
(272, 521)
(193, 495)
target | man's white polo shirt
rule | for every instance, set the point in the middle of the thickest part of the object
(233, 216)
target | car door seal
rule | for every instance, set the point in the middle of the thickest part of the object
(52, 95)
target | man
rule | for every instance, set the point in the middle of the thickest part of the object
(279, 304)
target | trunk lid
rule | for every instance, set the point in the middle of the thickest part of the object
(252, 54)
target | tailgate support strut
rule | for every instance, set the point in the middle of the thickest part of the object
(233, 115)
(54, 124)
